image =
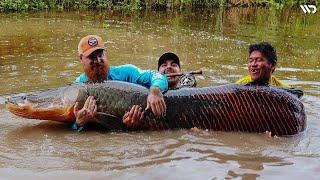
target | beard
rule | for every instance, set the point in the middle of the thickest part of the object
(96, 73)
(173, 81)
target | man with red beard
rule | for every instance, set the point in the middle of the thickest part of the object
(262, 63)
(96, 69)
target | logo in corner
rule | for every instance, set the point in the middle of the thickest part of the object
(93, 41)
(310, 9)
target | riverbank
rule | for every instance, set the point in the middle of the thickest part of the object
(36, 5)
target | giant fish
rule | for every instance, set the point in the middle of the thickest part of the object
(230, 107)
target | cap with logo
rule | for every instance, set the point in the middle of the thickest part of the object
(89, 44)
(168, 56)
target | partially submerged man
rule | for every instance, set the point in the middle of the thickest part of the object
(96, 69)
(168, 63)
(262, 63)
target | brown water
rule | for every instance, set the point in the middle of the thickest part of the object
(39, 51)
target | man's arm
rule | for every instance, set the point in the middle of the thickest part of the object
(135, 120)
(81, 79)
(155, 101)
(146, 78)
(159, 80)
(157, 83)
(84, 114)
(134, 117)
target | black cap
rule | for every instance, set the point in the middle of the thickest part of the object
(167, 56)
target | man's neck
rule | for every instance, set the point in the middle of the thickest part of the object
(260, 82)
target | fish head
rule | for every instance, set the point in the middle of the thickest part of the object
(53, 104)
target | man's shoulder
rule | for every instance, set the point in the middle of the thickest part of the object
(273, 81)
(124, 66)
(276, 82)
(123, 72)
(127, 69)
(244, 79)
(82, 78)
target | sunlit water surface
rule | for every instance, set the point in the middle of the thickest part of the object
(39, 51)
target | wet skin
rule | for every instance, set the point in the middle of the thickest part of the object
(260, 69)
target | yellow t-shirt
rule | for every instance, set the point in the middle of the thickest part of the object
(273, 81)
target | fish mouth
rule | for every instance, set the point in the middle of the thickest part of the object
(52, 104)
(21, 106)
(16, 104)
(17, 99)
(18, 109)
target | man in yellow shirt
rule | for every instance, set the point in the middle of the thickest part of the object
(261, 64)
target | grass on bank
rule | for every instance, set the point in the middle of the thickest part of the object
(35, 5)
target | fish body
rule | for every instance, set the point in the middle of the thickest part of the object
(223, 108)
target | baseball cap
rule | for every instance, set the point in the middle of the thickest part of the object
(89, 44)
(167, 56)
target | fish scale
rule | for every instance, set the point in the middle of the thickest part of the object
(223, 108)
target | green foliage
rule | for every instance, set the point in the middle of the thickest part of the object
(20, 5)
(33, 5)
(279, 4)
(105, 25)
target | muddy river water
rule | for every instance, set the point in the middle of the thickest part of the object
(39, 51)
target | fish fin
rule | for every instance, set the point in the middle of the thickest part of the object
(110, 122)
(296, 92)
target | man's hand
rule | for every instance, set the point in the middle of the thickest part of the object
(156, 102)
(87, 113)
(133, 117)
(269, 135)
